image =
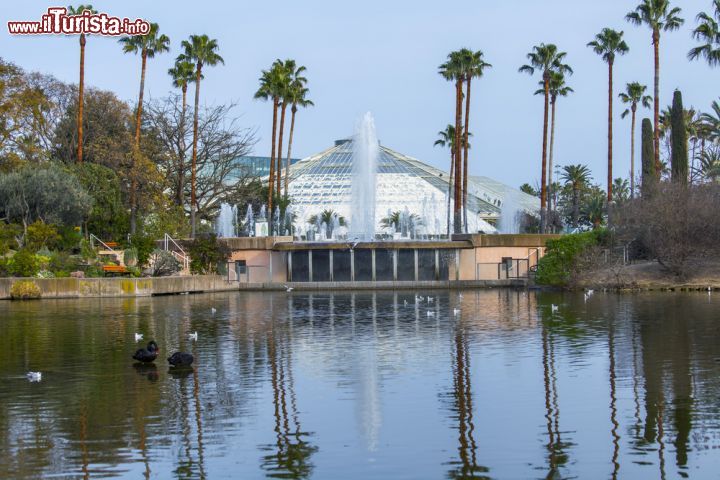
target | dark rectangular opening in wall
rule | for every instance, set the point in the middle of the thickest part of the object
(300, 266)
(426, 264)
(406, 264)
(321, 265)
(363, 265)
(341, 265)
(383, 265)
(446, 257)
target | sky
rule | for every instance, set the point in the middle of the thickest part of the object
(382, 57)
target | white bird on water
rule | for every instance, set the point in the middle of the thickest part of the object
(34, 376)
(456, 311)
(193, 336)
(138, 337)
(213, 310)
(430, 299)
(553, 308)
(430, 313)
(405, 302)
(288, 289)
(418, 298)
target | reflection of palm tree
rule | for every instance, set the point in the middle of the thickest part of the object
(466, 467)
(613, 402)
(290, 457)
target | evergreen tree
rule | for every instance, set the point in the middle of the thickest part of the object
(649, 174)
(679, 158)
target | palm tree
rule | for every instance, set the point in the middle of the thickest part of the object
(328, 217)
(546, 59)
(593, 209)
(287, 68)
(609, 43)
(621, 190)
(182, 74)
(558, 88)
(577, 176)
(475, 66)
(712, 122)
(271, 88)
(200, 50)
(72, 11)
(296, 96)
(658, 16)
(454, 70)
(709, 165)
(634, 94)
(447, 139)
(708, 33)
(148, 45)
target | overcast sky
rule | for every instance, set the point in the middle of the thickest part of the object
(382, 56)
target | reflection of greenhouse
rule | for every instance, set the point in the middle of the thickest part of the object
(324, 181)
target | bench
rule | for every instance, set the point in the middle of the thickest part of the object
(112, 270)
(112, 244)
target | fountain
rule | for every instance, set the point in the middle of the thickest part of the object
(226, 221)
(510, 214)
(365, 154)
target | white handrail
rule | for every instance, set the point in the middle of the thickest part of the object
(181, 257)
(93, 237)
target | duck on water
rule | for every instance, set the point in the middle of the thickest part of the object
(147, 354)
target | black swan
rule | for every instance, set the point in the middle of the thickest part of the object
(147, 354)
(181, 359)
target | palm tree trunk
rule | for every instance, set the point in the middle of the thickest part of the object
(543, 180)
(656, 116)
(271, 179)
(180, 187)
(553, 100)
(466, 147)
(450, 187)
(293, 110)
(280, 146)
(193, 200)
(632, 152)
(138, 119)
(81, 100)
(692, 159)
(457, 220)
(610, 133)
(576, 205)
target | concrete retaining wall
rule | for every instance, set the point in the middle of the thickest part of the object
(120, 287)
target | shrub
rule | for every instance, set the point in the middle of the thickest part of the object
(677, 225)
(562, 261)
(205, 253)
(41, 235)
(24, 264)
(8, 234)
(24, 290)
(130, 257)
(62, 262)
(94, 271)
(163, 263)
(70, 237)
(144, 245)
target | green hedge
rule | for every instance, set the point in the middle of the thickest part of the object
(559, 264)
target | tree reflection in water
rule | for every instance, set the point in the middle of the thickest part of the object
(466, 466)
(290, 457)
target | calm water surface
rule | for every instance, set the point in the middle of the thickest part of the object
(365, 385)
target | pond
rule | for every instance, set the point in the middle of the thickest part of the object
(358, 385)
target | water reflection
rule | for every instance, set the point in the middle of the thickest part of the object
(381, 385)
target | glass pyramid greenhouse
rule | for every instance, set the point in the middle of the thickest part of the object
(404, 184)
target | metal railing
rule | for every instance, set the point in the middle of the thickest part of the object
(515, 268)
(94, 239)
(176, 252)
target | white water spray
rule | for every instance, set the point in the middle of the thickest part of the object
(365, 155)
